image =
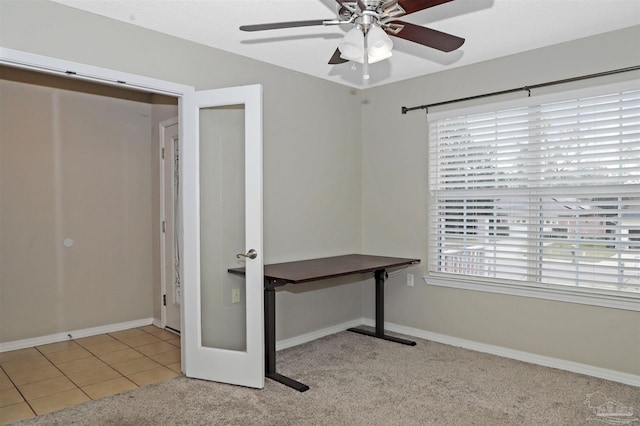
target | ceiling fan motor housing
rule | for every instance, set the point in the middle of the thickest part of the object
(366, 12)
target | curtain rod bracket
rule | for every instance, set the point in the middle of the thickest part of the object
(406, 110)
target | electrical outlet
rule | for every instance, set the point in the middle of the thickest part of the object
(410, 280)
(235, 295)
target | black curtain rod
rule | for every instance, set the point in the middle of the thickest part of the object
(519, 89)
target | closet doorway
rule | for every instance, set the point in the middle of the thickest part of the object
(80, 203)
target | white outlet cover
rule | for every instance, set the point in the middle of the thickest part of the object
(410, 280)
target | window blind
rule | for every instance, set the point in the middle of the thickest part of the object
(542, 193)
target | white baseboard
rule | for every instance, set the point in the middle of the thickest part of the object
(304, 338)
(575, 367)
(75, 334)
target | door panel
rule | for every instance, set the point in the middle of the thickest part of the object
(170, 249)
(222, 174)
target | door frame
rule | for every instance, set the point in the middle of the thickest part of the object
(164, 288)
(187, 124)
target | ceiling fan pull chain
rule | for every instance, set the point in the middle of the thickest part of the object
(365, 65)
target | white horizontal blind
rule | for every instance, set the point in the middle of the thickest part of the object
(545, 194)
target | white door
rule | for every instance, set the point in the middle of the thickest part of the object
(223, 331)
(169, 246)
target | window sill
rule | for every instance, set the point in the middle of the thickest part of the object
(581, 296)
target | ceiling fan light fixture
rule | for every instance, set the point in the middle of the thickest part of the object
(378, 56)
(352, 45)
(378, 39)
(359, 59)
(379, 44)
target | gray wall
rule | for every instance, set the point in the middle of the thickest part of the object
(395, 221)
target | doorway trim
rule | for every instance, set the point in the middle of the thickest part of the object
(46, 64)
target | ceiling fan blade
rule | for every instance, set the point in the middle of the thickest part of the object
(336, 59)
(411, 6)
(427, 37)
(279, 25)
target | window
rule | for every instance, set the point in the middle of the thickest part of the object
(541, 195)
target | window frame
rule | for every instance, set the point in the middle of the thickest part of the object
(581, 295)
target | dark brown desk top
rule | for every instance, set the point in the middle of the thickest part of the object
(329, 267)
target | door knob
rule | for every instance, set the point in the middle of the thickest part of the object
(251, 254)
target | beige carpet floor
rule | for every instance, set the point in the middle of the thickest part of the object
(358, 380)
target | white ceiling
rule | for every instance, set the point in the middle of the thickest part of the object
(492, 28)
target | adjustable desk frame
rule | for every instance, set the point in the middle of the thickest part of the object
(337, 266)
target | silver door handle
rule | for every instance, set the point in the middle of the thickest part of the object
(251, 254)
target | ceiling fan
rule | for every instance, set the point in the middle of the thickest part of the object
(373, 22)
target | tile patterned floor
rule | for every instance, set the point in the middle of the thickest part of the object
(38, 380)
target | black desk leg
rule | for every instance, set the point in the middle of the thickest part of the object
(379, 332)
(270, 339)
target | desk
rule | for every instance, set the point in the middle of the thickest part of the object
(303, 271)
